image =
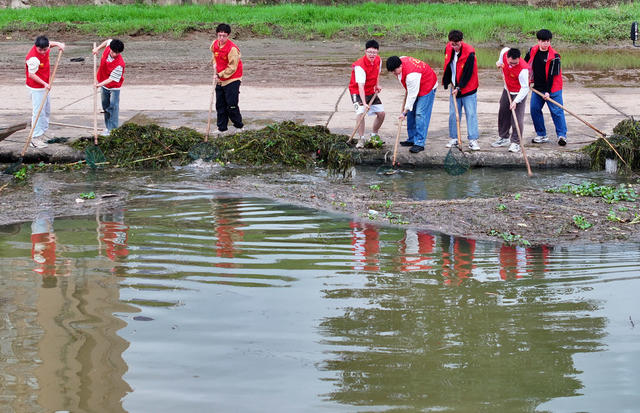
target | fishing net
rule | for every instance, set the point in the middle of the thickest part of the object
(206, 151)
(94, 156)
(456, 162)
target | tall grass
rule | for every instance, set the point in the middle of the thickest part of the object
(481, 23)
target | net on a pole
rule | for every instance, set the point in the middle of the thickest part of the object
(456, 162)
(206, 151)
(94, 156)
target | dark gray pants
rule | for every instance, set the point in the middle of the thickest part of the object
(227, 105)
(505, 118)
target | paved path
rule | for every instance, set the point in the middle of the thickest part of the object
(187, 105)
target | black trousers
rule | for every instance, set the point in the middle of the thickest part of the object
(227, 105)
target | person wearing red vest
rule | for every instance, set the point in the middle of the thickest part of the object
(516, 79)
(37, 70)
(461, 71)
(109, 78)
(227, 76)
(546, 76)
(365, 74)
(420, 83)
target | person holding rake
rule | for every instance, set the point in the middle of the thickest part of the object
(109, 78)
(364, 84)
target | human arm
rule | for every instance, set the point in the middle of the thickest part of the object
(467, 72)
(523, 78)
(101, 46)
(59, 45)
(114, 76)
(500, 61)
(32, 67)
(360, 78)
(413, 87)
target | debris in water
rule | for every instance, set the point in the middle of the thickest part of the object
(626, 140)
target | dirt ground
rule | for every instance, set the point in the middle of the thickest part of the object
(538, 217)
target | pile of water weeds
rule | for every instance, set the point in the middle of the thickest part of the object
(287, 143)
(625, 139)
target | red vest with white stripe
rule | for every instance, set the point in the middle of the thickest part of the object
(412, 65)
(43, 70)
(105, 69)
(465, 51)
(511, 73)
(371, 69)
(221, 54)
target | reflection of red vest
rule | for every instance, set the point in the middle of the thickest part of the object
(366, 245)
(372, 70)
(43, 70)
(45, 256)
(465, 51)
(412, 65)
(557, 80)
(221, 55)
(106, 68)
(511, 73)
(115, 236)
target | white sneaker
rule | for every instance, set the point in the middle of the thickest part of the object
(105, 132)
(452, 142)
(38, 142)
(360, 143)
(500, 142)
(514, 147)
(540, 139)
(473, 145)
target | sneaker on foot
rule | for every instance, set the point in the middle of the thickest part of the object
(105, 132)
(416, 149)
(514, 147)
(540, 139)
(562, 141)
(360, 143)
(452, 142)
(374, 136)
(473, 145)
(500, 142)
(406, 143)
(38, 143)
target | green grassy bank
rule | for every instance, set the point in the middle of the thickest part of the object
(481, 23)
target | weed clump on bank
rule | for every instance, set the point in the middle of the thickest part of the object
(626, 140)
(287, 143)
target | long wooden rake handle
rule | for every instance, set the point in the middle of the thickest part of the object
(602, 134)
(213, 94)
(455, 105)
(395, 146)
(361, 118)
(515, 121)
(44, 99)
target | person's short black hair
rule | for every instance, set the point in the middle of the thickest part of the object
(455, 36)
(513, 53)
(116, 45)
(371, 44)
(223, 28)
(393, 63)
(544, 34)
(42, 42)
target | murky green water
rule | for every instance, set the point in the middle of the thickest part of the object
(183, 299)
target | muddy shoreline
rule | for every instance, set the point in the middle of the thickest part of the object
(528, 217)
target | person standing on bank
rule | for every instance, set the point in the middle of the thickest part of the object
(365, 74)
(227, 76)
(420, 82)
(109, 78)
(546, 74)
(516, 78)
(38, 70)
(461, 71)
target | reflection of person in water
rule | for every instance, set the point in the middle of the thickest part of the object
(413, 248)
(461, 257)
(365, 245)
(226, 226)
(510, 257)
(114, 233)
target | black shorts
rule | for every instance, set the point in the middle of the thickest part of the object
(356, 98)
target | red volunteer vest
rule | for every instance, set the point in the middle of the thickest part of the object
(557, 80)
(511, 73)
(221, 55)
(412, 65)
(465, 51)
(106, 68)
(372, 70)
(43, 70)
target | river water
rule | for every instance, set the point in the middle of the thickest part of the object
(186, 299)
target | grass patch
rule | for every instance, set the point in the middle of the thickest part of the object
(481, 23)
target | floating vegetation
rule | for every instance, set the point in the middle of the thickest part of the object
(610, 194)
(626, 140)
(286, 143)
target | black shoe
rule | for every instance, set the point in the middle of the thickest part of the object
(562, 141)
(416, 149)
(406, 143)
